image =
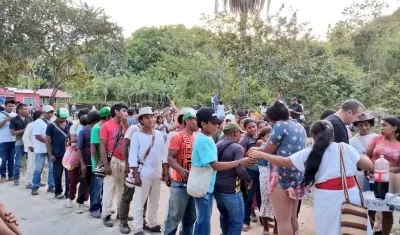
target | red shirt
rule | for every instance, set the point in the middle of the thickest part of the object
(109, 132)
(390, 149)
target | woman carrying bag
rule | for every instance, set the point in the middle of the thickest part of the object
(323, 167)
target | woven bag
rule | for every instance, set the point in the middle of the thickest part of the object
(354, 219)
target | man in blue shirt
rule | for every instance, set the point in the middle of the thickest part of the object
(204, 154)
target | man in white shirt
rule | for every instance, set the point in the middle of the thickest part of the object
(28, 138)
(39, 147)
(7, 142)
(145, 161)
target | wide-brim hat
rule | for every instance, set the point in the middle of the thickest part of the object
(144, 111)
(364, 118)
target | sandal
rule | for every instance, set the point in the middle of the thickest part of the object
(246, 227)
(266, 233)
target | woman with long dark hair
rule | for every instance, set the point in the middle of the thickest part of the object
(321, 166)
(287, 137)
(388, 145)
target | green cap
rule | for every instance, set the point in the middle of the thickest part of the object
(62, 113)
(189, 115)
(105, 112)
(231, 127)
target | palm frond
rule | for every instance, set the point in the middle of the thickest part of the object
(246, 6)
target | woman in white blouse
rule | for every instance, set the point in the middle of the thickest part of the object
(321, 166)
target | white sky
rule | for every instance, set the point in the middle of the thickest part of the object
(134, 14)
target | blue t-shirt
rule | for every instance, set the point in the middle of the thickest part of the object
(58, 139)
(84, 144)
(203, 153)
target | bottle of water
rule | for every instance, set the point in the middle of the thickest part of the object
(381, 177)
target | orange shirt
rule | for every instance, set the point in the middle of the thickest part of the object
(183, 143)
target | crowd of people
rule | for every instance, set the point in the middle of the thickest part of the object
(119, 154)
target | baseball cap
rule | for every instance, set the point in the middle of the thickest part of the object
(189, 115)
(208, 115)
(62, 113)
(231, 127)
(105, 112)
(48, 108)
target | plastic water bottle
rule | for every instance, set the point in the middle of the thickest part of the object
(381, 177)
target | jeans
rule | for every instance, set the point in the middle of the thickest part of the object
(7, 152)
(231, 212)
(181, 207)
(255, 190)
(127, 197)
(96, 193)
(19, 154)
(203, 214)
(58, 170)
(37, 174)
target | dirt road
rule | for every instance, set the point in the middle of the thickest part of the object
(44, 215)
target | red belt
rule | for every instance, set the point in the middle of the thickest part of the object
(336, 184)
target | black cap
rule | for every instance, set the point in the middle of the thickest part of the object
(208, 115)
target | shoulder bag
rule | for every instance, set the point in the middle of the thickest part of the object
(199, 181)
(130, 179)
(99, 170)
(354, 218)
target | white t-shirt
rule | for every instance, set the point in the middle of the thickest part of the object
(330, 165)
(263, 109)
(152, 166)
(360, 142)
(39, 128)
(5, 133)
(131, 130)
(221, 110)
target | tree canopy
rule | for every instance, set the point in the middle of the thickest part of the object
(244, 60)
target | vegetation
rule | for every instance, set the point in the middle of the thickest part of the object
(245, 60)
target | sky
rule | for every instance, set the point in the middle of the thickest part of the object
(134, 14)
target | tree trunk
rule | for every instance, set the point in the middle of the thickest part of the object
(53, 96)
(241, 65)
(219, 79)
(216, 7)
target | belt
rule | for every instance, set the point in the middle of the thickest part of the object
(336, 183)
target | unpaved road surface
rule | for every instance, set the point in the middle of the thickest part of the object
(45, 215)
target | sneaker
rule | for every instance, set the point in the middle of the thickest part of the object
(11, 179)
(80, 209)
(16, 182)
(139, 233)
(51, 190)
(3, 180)
(34, 192)
(29, 186)
(42, 184)
(60, 196)
(69, 203)
(86, 204)
(95, 214)
(155, 229)
(124, 228)
(107, 221)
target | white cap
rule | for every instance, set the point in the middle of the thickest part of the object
(48, 108)
(144, 111)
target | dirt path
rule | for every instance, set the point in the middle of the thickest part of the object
(45, 215)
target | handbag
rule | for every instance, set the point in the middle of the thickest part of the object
(99, 170)
(354, 220)
(130, 179)
(70, 160)
(199, 180)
